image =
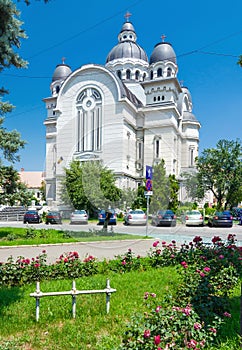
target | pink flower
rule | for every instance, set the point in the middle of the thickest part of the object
(206, 269)
(216, 239)
(36, 265)
(221, 256)
(202, 343)
(226, 314)
(187, 310)
(213, 330)
(192, 344)
(157, 339)
(158, 308)
(146, 333)
(153, 295)
(163, 243)
(184, 264)
(202, 274)
(146, 295)
(197, 325)
(197, 239)
(155, 244)
(123, 262)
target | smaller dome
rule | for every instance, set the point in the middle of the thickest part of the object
(61, 72)
(163, 52)
(127, 26)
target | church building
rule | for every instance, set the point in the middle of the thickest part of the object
(128, 113)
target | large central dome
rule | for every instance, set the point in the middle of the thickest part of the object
(127, 47)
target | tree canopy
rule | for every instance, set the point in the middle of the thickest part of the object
(165, 189)
(11, 34)
(219, 170)
(91, 186)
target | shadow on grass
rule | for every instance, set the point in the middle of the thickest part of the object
(9, 296)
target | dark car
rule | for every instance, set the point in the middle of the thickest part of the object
(237, 213)
(102, 217)
(164, 218)
(32, 216)
(53, 217)
(221, 219)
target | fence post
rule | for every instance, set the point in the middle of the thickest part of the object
(73, 299)
(37, 300)
(108, 294)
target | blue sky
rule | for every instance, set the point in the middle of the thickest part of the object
(206, 36)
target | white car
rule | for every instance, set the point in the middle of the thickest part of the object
(79, 217)
(135, 217)
(194, 218)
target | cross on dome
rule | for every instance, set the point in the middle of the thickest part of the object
(63, 60)
(163, 37)
(127, 16)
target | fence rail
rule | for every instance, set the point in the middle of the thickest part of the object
(73, 292)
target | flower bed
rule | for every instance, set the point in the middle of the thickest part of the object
(191, 319)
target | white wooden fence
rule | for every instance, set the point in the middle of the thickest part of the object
(73, 292)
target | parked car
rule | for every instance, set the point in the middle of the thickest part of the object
(53, 217)
(79, 217)
(164, 218)
(135, 217)
(102, 217)
(193, 218)
(237, 213)
(32, 216)
(221, 219)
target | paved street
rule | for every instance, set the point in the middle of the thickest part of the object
(110, 249)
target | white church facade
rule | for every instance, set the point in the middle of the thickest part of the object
(128, 113)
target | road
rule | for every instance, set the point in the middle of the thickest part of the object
(110, 249)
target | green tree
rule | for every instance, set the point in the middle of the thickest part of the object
(11, 34)
(90, 186)
(140, 201)
(240, 61)
(165, 189)
(174, 189)
(12, 190)
(219, 170)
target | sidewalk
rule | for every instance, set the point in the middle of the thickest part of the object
(100, 250)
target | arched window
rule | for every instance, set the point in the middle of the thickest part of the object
(169, 71)
(57, 89)
(159, 72)
(119, 74)
(154, 99)
(151, 75)
(89, 121)
(128, 74)
(137, 75)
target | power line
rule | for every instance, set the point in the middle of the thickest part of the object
(86, 30)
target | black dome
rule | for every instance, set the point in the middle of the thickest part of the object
(127, 49)
(61, 72)
(163, 52)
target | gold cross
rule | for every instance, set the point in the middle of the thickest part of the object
(127, 15)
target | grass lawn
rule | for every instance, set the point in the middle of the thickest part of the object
(11, 236)
(92, 328)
